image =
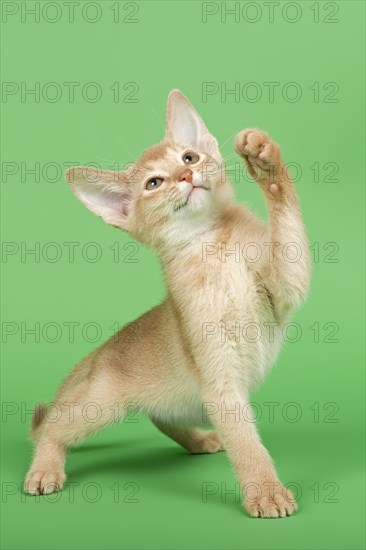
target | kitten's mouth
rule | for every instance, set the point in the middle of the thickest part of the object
(194, 187)
(185, 203)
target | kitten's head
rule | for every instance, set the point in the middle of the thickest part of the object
(175, 189)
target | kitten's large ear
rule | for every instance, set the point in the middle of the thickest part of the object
(185, 127)
(104, 192)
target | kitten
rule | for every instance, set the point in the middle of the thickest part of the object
(219, 329)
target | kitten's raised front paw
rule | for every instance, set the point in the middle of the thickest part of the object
(262, 156)
(269, 500)
(205, 443)
(44, 482)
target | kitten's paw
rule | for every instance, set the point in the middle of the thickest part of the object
(270, 500)
(205, 442)
(44, 482)
(262, 156)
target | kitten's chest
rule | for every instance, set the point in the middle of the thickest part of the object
(231, 288)
(224, 312)
(216, 287)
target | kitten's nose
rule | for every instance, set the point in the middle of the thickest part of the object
(186, 175)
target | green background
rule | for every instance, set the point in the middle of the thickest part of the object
(171, 47)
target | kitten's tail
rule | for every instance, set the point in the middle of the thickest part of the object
(40, 411)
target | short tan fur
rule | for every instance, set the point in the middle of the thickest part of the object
(189, 359)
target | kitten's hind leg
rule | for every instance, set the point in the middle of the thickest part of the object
(194, 440)
(83, 405)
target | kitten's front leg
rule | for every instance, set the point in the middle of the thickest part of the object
(264, 494)
(288, 263)
(264, 162)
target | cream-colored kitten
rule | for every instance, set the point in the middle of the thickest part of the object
(218, 331)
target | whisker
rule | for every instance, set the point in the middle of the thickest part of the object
(112, 163)
(132, 155)
(228, 139)
(162, 124)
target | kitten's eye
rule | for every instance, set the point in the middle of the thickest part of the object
(190, 157)
(153, 183)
